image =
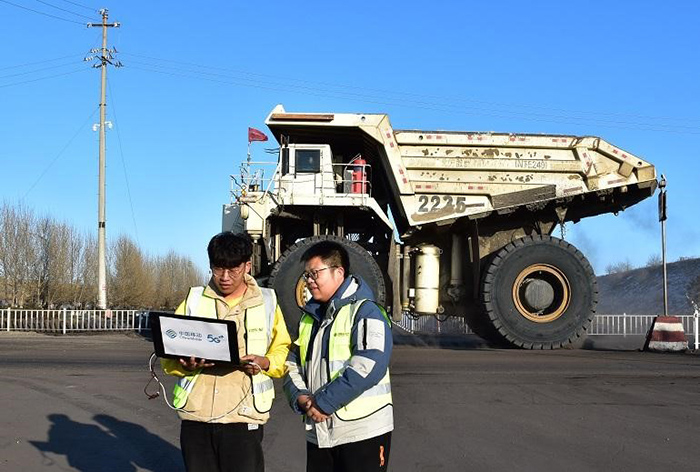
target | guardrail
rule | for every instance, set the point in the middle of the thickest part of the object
(602, 325)
(64, 320)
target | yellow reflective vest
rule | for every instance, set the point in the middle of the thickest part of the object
(259, 321)
(339, 353)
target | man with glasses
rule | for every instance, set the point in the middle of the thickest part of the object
(338, 369)
(223, 409)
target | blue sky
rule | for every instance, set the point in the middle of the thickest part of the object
(197, 74)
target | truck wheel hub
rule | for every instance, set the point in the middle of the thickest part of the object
(301, 292)
(541, 293)
(538, 294)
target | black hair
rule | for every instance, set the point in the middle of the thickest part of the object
(331, 253)
(229, 249)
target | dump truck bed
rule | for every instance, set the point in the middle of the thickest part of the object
(440, 176)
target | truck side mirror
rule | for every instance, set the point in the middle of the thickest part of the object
(285, 160)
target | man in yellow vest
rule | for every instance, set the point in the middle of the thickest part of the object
(223, 409)
(338, 369)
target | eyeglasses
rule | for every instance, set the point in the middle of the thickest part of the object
(313, 273)
(233, 272)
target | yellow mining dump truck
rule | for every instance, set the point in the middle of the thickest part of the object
(439, 223)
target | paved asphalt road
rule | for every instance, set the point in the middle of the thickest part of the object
(77, 403)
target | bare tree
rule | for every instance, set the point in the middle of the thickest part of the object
(654, 260)
(47, 263)
(17, 252)
(76, 244)
(87, 278)
(59, 286)
(53, 268)
(130, 283)
(619, 267)
(174, 276)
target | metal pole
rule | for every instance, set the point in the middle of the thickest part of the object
(696, 315)
(64, 320)
(662, 219)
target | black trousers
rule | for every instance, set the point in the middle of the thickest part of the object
(370, 455)
(215, 447)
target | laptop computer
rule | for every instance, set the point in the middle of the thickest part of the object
(178, 336)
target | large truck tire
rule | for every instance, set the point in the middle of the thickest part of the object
(480, 324)
(291, 288)
(539, 292)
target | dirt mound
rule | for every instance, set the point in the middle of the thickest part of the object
(640, 291)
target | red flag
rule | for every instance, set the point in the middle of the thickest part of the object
(255, 135)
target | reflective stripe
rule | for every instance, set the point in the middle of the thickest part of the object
(182, 389)
(379, 389)
(294, 371)
(338, 366)
(186, 382)
(362, 365)
(257, 342)
(264, 385)
(192, 303)
(370, 334)
(270, 302)
(297, 380)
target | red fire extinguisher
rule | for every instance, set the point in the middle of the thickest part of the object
(359, 176)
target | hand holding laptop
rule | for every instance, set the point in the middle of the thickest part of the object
(193, 364)
(250, 364)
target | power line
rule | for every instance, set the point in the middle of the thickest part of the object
(80, 5)
(449, 101)
(67, 11)
(388, 100)
(60, 152)
(121, 152)
(37, 70)
(38, 62)
(41, 13)
(42, 78)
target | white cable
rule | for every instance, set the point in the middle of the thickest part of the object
(161, 389)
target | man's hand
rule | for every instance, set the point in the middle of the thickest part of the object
(192, 364)
(251, 369)
(312, 409)
(317, 415)
(304, 402)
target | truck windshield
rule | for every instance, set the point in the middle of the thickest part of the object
(308, 160)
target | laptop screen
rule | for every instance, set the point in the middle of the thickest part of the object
(177, 336)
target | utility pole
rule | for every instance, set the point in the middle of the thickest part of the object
(105, 57)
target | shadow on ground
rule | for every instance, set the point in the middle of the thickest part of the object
(108, 445)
